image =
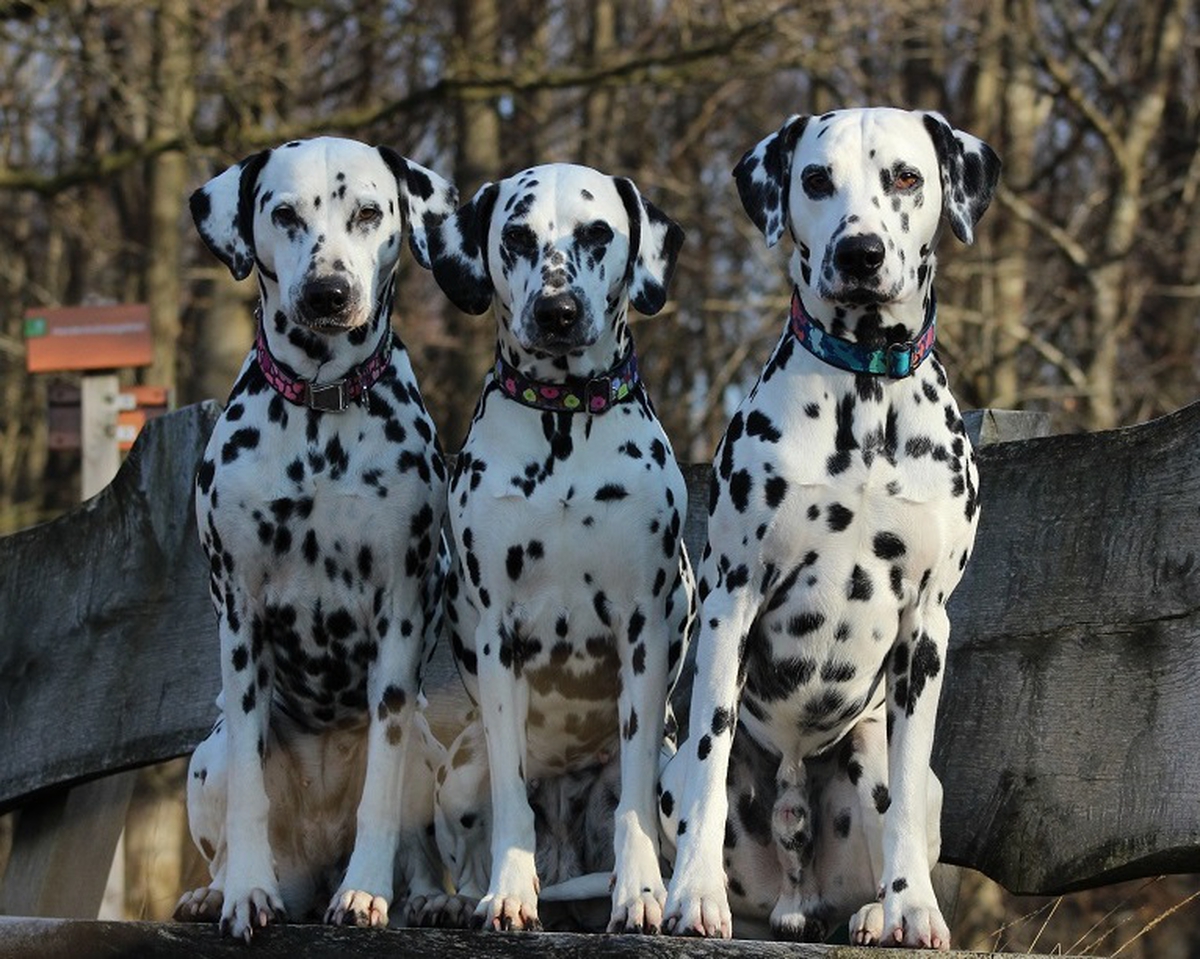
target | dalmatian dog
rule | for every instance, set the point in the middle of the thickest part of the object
(319, 503)
(842, 512)
(571, 597)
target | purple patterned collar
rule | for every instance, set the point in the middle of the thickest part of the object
(895, 361)
(333, 397)
(576, 394)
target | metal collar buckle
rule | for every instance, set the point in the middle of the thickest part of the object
(329, 397)
(598, 389)
(899, 360)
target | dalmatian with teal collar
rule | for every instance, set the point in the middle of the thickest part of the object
(842, 512)
(570, 600)
(319, 502)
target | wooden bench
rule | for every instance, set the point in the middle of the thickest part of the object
(1067, 736)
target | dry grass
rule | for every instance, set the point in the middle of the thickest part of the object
(1143, 919)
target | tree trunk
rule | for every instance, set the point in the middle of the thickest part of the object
(168, 185)
(458, 369)
(1118, 289)
(1012, 235)
(222, 329)
(596, 149)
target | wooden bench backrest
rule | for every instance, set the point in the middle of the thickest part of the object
(1068, 734)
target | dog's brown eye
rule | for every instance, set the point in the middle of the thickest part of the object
(907, 180)
(369, 215)
(285, 217)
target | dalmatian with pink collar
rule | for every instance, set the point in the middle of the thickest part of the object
(842, 512)
(319, 503)
(570, 599)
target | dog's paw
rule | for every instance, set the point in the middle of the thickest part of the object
(866, 925)
(506, 913)
(699, 913)
(440, 911)
(913, 920)
(640, 911)
(638, 893)
(256, 908)
(199, 905)
(351, 907)
(799, 920)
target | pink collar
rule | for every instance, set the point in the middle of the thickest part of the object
(333, 397)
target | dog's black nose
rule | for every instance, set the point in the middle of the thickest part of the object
(555, 312)
(326, 296)
(859, 256)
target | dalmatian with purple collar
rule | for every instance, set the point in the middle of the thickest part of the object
(319, 502)
(571, 597)
(842, 512)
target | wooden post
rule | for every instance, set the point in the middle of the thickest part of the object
(98, 412)
(63, 849)
(101, 458)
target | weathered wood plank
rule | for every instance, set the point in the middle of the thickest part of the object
(63, 849)
(988, 427)
(55, 939)
(107, 639)
(1068, 739)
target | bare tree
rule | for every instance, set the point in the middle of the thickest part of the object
(1118, 123)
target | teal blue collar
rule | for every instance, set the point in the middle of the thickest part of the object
(895, 361)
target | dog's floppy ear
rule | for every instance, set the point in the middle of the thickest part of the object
(426, 199)
(970, 170)
(763, 178)
(458, 252)
(654, 242)
(223, 211)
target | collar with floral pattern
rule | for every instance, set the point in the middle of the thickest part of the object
(575, 394)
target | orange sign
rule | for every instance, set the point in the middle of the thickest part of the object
(88, 338)
(135, 405)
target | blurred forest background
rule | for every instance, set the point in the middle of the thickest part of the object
(1079, 298)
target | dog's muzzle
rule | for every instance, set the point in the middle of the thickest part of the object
(860, 257)
(858, 261)
(556, 313)
(557, 322)
(326, 302)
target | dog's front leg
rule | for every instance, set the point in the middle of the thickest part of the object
(365, 894)
(638, 894)
(420, 863)
(910, 911)
(697, 901)
(511, 899)
(251, 895)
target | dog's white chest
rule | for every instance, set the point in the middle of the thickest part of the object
(845, 499)
(309, 521)
(568, 533)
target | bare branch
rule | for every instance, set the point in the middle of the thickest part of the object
(678, 67)
(1070, 89)
(1024, 211)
